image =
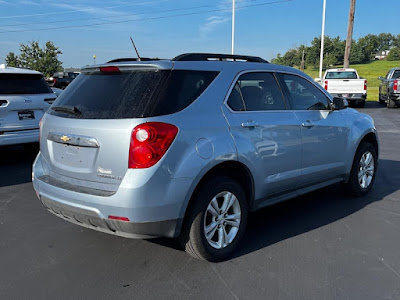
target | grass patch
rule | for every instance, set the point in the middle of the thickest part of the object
(370, 71)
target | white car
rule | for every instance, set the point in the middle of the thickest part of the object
(24, 98)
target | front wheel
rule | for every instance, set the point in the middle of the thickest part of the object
(216, 221)
(363, 171)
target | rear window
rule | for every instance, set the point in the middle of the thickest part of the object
(135, 94)
(396, 74)
(12, 84)
(341, 75)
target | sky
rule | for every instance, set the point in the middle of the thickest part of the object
(167, 28)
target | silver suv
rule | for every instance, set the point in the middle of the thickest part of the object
(187, 147)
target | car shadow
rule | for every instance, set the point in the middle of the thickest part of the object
(16, 163)
(308, 212)
(372, 104)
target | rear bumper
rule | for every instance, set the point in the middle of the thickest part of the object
(153, 208)
(19, 137)
(91, 218)
(352, 97)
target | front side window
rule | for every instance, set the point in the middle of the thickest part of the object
(304, 95)
(256, 91)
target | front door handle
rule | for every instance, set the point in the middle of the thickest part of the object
(307, 124)
(249, 124)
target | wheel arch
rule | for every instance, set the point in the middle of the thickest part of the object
(233, 169)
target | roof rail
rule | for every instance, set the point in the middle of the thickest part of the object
(132, 59)
(220, 57)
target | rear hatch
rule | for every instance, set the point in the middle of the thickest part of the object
(24, 98)
(86, 135)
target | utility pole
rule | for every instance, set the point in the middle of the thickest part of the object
(233, 27)
(349, 39)
(321, 57)
(302, 62)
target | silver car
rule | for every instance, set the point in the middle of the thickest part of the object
(188, 147)
(24, 98)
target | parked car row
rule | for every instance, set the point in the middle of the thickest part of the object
(61, 80)
(186, 148)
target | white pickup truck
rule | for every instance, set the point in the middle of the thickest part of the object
(347, 84)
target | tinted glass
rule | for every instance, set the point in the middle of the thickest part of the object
(235, 100)
(341, 75)
(304, 95)
(11, 84)
(259, 91)
(134, 94)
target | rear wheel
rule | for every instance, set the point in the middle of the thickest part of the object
(361, 104)
(363, 171)
(216, 221)
(391, 103)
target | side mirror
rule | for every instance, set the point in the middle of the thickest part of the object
(317, 79)
(380, 78)
(339, 103)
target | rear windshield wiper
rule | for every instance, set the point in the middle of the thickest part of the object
(67, 109)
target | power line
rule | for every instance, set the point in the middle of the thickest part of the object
(145, 19)
(115, 16)
(77, 10)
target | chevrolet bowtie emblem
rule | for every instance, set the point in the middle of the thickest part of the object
(65, 138)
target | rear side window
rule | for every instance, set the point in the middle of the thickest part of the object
(134, 94)
(341, 75)
(256, 91)
(13, 84)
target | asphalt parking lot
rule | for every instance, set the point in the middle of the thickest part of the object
(324, 245)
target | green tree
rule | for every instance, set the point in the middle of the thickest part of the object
(43, 59)
(12, 60)
(394, 54)
(357, 54)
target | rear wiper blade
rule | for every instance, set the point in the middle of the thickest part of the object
(67, 109)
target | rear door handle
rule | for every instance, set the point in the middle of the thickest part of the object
(249, 124)
(307, 124)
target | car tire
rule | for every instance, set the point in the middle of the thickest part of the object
(391, 103)
(361, 179)
(361, 104)
(381, 101)
(222, 238)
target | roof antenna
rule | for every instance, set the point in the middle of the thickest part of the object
(137, 53)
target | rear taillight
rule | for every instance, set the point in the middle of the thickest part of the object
(54, 80)
(395, 85)
(149, 142)
(326, 85)
(365, 85)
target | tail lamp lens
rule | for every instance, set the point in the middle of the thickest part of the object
(395, 85)
(149, 142)
(326, 85)
(365, 85)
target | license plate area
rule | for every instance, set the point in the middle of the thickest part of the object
(73, 158)
(26, 115)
